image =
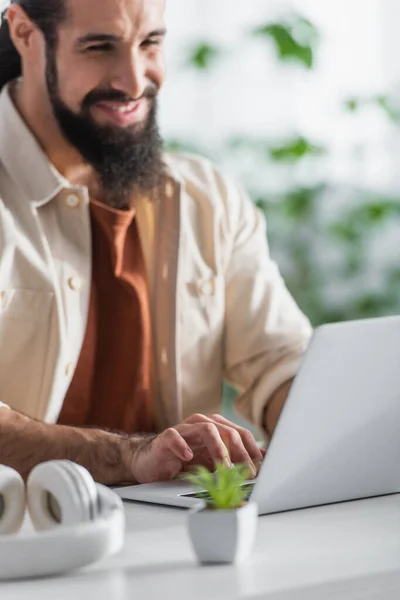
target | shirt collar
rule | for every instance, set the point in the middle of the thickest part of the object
(23, 158)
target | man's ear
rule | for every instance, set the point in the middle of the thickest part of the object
(23, 33)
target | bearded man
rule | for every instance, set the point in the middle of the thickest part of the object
(133, 283)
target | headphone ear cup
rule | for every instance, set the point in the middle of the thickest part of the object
(12, 500)
(61, 493)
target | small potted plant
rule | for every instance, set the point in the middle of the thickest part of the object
(222, 528)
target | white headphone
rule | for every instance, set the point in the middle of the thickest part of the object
(82, 521)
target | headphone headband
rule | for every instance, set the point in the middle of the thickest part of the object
(66, 546)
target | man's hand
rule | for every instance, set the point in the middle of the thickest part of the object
(114, 458)
(199, 440)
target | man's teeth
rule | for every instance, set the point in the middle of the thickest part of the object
(121, 108)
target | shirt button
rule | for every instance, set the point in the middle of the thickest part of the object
(208, 288)
(169, 189)
(75, 283)
(3, 299)
(164, 357)
(73, 201)
(69, 369)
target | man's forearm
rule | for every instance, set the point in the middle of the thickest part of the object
(275, 406)
(25, 442)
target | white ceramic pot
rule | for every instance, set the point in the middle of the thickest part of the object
(223, 536)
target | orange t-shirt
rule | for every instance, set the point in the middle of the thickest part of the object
(111, 386)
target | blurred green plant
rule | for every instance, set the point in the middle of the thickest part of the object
(203, 56)
(389, 104)
(324, 238)
(294, 39)
(223, 489)
(295, 149)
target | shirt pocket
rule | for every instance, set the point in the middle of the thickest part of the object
(25, 321)
(25, 304)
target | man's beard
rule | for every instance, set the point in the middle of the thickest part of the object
(127, 160)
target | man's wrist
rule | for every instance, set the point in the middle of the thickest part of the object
(131, 446)
(101, 452)
(26, 442)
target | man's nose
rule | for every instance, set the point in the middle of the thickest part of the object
(130, 77)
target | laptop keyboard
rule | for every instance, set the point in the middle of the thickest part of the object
(205, 496)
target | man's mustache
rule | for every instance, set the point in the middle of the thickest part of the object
(110, 95)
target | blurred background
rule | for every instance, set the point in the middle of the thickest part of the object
(300, 101)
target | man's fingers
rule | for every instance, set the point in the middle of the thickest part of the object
(205, 435)
(171, 441)
(196, 418)
(216, 438)
(247, 437)
(237, 450)
(160, 459)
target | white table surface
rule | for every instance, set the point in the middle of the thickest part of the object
(345, 551)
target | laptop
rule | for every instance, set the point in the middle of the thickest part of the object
(338, 438)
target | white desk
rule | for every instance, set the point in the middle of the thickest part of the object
(347, 551)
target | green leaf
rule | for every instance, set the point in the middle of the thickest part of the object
(287, 47)
(345, 231)
(204, 56)
(378, 212)
(224, 487)
(201, 478)
(369, 305)
(389, 104)
(352, 104)
(299, 205)
(356, 224)
(295, 150)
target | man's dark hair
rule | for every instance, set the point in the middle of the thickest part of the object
(47, 15)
